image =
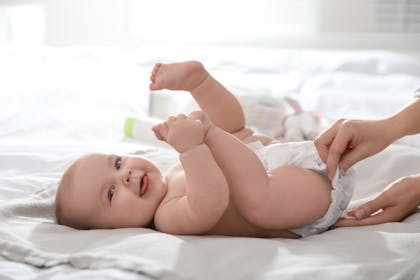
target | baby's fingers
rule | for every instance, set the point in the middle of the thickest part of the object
(160, 131)
(196, 115)
(201, 117)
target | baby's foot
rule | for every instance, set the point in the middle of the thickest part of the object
(186, 75)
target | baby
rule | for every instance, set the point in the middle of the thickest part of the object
(230, 181)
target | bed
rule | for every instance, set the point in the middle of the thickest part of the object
(59, 103)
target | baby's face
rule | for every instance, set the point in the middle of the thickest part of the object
(111, 191)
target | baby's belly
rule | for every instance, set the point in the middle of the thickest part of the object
(233, 224)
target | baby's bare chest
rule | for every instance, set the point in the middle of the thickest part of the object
(176, 181)
(230, 223)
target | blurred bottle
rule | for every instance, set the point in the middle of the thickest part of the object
(140, 129)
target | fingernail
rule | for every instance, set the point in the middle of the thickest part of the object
(349, 215)
(359, 213)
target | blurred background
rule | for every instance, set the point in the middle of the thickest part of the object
(337, 58)
(342, 24)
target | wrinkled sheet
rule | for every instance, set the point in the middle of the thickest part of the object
(57, 104)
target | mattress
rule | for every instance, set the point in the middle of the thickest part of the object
(60, 103)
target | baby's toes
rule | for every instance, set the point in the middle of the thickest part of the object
(154, 85)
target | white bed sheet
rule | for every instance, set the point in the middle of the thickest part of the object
(57, 104)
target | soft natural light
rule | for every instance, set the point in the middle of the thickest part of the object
(269, 23)
(217, 20)
(26, 24)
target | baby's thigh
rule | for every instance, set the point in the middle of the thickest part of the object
(301, 195)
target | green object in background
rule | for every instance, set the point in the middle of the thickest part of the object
(140, 128)
(129, 127)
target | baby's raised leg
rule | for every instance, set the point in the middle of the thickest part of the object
(222, 107)
(186, 76)
(285, 198)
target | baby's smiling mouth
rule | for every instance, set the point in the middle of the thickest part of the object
(144, 183)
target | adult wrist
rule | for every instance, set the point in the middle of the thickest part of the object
(416, 185)
(407, 120)
(393, 130)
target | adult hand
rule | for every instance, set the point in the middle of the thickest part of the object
(349, 141)
(397, 202)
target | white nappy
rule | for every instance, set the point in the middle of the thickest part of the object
(304, 154)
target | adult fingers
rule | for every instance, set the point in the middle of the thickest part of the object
(390, 214)
(323, 142)
(370, 207)
(368, 213)
(340, 144)
(352, 156)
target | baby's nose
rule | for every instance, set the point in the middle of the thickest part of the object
(130, 176)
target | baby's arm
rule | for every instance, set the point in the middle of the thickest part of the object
(207, 193)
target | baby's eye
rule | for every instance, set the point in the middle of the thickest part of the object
(118, 163)
(111, 192)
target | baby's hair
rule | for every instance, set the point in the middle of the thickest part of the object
(65, 180)
(62, 215)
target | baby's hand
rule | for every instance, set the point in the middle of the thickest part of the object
(181, 132)
(202, 117)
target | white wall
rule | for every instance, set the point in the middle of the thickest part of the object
(258, 23)
(74, 22)
(22, 22)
